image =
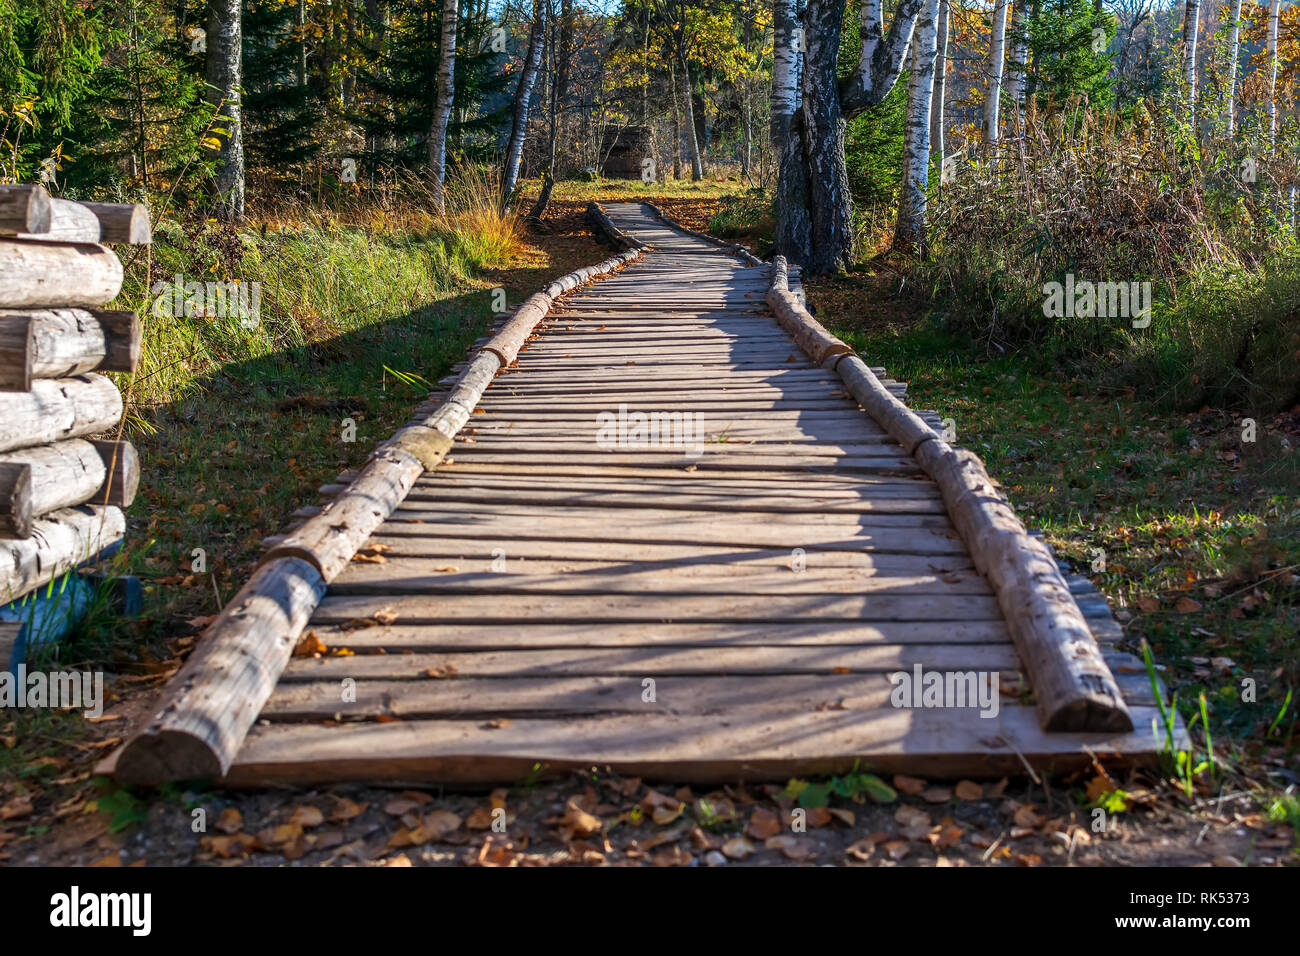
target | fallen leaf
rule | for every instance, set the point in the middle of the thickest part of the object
(307, 817)
(909, 785)
(969, 790)
(790, 846)
(230, 821)
(897, 849)
(737, 848)
(862, 850)
(763, 823)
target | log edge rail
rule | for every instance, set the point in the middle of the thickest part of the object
(1073, 686)
(212, 702)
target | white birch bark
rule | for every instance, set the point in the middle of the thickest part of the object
(997, 57)
(523, 98)
(437, 144)
(940, 85)
(1234, 56)
(223, 73)
(1191, 33)
(785, 70)
(1018, 58)
(910, 232)
(1274, 10)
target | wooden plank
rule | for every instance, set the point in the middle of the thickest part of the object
(432, 510)
(713, 749)
(563, 695)
(431, 575)
(363, 635)
(664, 498)
(651, 609)
(413, 538)
(659, 662)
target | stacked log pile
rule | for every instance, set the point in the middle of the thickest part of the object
(62, 489)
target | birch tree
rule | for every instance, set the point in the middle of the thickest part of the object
(1274, 11)
(794, 229)
(223, 68)
(997, 57)
(523, 98)
(940, 85)
(1191, 31)
(1018, 59)
(437, 142)
(561, 56)
(1234, 56)
(814, 225)
(910, 231)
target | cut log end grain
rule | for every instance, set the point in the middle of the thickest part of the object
(24, 209)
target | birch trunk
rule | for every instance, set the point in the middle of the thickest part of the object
(692, 133)
(1191, 33)
(910, 232)
(223, 68)
(437, 144)
(1274, 10)
(1234, 55)
(523, 97)
(940, 85)
(997, 57)
(1017, 60)
(785, 70)
(813, 213)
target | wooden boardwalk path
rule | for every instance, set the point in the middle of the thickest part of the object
(726, 602)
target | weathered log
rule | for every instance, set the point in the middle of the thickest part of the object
(57, 274)
(213, 701)
(53, 343)
(809, 334)
(216, 697)
(903, 425)
(60, 541)
(66, 473)
(603, 226)
(69, 222)
(122, 222)
(24, 209)
(329, 540)
(507, 343)
(1074, 688)
(58, 408)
